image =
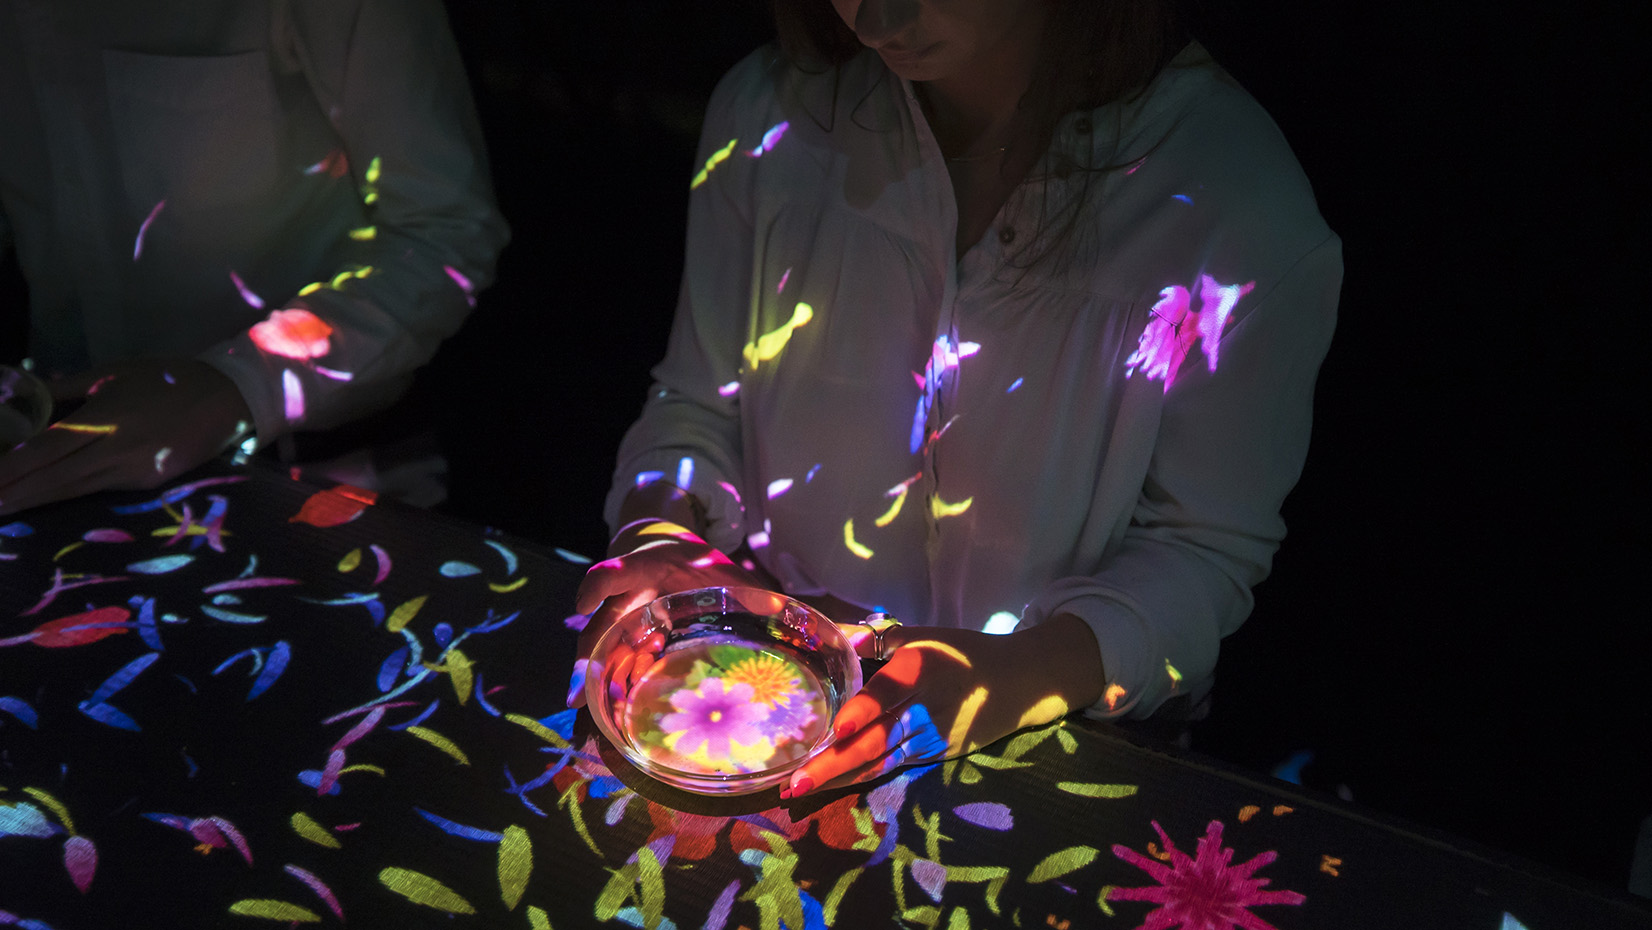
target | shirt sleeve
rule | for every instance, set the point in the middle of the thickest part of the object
(396, 93)
(1230, 446)
(689, 430)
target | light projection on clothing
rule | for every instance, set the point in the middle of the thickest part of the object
(370, 181)
(850, 542)
(252, 300)
(297, 334)
(463, 282)
(1175, 327)
(717, 158)
(768, 345)
(943, 357)
(898, 492)
(770, 140)
(143, 230)
(292, 396)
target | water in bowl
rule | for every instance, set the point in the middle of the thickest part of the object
(724, 705)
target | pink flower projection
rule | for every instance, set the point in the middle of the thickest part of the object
(1205, 891)
(295, 334)
(1170, 335)
(712, 716)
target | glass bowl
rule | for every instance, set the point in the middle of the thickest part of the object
(720, 691)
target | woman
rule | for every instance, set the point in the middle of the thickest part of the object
(1003, 317)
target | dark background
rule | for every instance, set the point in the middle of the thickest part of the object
(1454, 627)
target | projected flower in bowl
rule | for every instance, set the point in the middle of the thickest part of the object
(720, 690)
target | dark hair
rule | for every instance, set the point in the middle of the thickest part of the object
(1094, 52)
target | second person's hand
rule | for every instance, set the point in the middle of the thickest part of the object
(141, 424)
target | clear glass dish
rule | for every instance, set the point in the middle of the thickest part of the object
(720, 691)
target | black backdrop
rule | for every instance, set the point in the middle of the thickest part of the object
(1454, 627)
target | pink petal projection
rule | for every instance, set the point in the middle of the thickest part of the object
(292, 396)
(253, 300)
(1175, 327)
(80, 859)
(296, 334)
(137, 246)
(464, 283)
(107, 536)
(318, 886)
(770, 140)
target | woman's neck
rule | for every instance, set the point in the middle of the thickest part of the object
(974, 110)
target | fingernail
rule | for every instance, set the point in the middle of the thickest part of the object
(801, 785)
(785, 792)
(576, 687)
(844, 730)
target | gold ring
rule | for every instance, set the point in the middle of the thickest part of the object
(880, 623)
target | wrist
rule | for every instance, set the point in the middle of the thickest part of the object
(663, 501)
(640, 532)
(1068, 657)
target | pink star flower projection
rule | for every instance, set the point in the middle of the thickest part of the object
(1175, 327)
(1205, 892)
(295, 334)
(712, 716)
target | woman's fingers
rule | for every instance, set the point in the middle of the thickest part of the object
(51, 466)
(901, 736)
(601, 581)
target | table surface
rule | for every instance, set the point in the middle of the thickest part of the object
(248, 699)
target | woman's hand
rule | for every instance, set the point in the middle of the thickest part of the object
(647, 559)
(947, 692)
(142, 424)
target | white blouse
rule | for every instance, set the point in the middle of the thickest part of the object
(968, 442)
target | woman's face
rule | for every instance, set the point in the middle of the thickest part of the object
(932, 40)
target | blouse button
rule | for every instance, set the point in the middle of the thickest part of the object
(1006, 235)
